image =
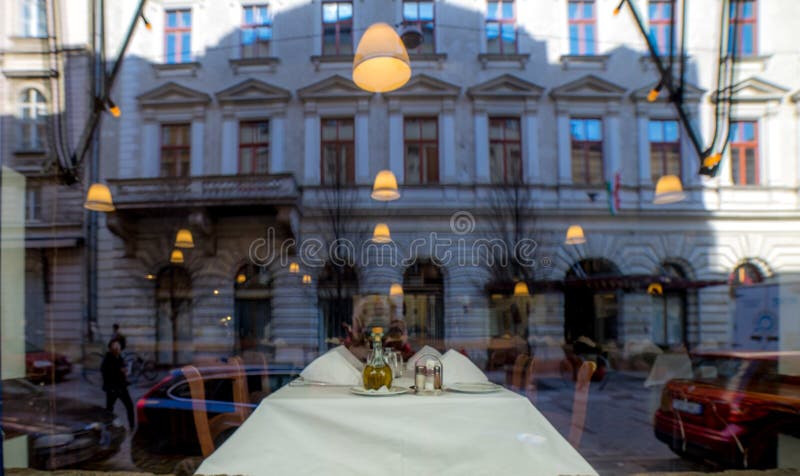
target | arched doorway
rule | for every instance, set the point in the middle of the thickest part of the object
(669, 309)
(252, 307)
(337, 286)
(173, 322)
(423, 300)
(590, 307)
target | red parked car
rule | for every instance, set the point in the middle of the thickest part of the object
(733, 409)
(43, 366)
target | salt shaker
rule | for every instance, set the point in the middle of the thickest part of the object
(429, 366)
(419, 377)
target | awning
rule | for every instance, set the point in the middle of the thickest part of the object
(629, 283)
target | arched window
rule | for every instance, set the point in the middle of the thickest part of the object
(337, 286)
(252, 307)
(423, 299)
(744, 275)
(669, 310)
(174, 323)
(32, 111)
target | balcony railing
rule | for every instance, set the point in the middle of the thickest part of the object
(215, 190)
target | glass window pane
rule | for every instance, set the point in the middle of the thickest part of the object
(512, 129)
(186, 18)
(748, 131)
(746, 48)
(573, 11)
(429, 129)
(172, 19)
(245, 134)
(248, 16)
(431, 163)
(589, 33)
(186, 47)
(577, 129)
(587, 11)
(492, 10)
(492, 31)
(262, 160)
(574, 40)
(329, 130)
(329, 13)
(670, 131)
(750, 165)
(412, 164)
(747, 10)
(265, 33)
(426, 11)
(508, 10)
(346, 130)
(410, 11)
(655, 131)
(248, 36)
(345, 11)
(509, 33)
(594, 129)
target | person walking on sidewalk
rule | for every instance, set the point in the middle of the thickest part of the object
(115, 380)
(117, 336)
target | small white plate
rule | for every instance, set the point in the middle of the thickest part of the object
(474, 387)
(395, 390)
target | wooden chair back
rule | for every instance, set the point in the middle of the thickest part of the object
(580, 402)
(528, 385)
(518, 371)
(198, 392)
(241, 396)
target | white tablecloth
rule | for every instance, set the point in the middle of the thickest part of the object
(329, 431)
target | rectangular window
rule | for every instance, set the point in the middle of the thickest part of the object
(338, 152)
(665, 149)
(587, 151)
(34, 18)
(743, 27)
(660, 13)
(421, 15)
(505, 150)
(744, 153)
(582, 26)
(178, 36)
(176, 150)
(337, 28)
(254, 147)
(501, 27)
(256, 31)
(421, 143)
(33, 203)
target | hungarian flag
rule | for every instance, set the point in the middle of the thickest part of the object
(612, 191)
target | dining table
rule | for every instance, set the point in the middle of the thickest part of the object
(310, 429)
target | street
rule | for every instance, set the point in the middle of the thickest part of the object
(617, 441)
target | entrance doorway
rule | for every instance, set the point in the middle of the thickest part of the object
(252, 307)
(589, 310)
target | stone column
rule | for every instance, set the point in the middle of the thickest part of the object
(530, 141)
(643, 145)
(447, 162)
(396, 161)
(564, 146)
(466, 307)
(230, 155)
(311, 172)
(150, 150)
(198, 144)
(481, 121)
(362, 142)
(634, 317)
(612, 141)
(277, 133)
(295, 318)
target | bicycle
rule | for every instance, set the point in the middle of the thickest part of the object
(139, 367)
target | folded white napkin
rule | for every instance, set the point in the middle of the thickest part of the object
(334, 368)
(425, 350)
(354, 361)
(456, 367)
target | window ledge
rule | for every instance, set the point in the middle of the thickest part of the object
(27, 152)
(647, 62)
(595, 62)
(176, 69)
(496, 60)
(335, 60)
(266, 64)
(749, 65)
(433, 59)
(30, 73)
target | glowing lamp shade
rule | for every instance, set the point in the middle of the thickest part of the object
(381, 233)
(396, 290)
(241, 278)
(184, 239)
(385, 187)
(98, 198)
(668, 190)
(521, 289)
(381, 61)
(294, 268)
(176, 257)
(306, 279)
(575, 235)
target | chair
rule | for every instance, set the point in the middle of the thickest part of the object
(518, 371)
(528, 385)
(260, 361)
(580, 402)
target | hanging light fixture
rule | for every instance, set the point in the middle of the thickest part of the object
(384, 189)
(521, 289)
(113, 108)
(575, 235)
(668, 190)
(294, 268)
(184, 239)
(176, 257)
(98, 198)
(396, 290)
(381, 61)
(149, 276)
(381, 233)
(241, 278)
(306, 279)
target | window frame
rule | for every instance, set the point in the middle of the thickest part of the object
(582, 148)
(421, 144)
(662, 25)
(35, 25)
(178, 31)
(351, 143)
(419, 23)
(506, 158)
(261, 48)
(740, 156)
(736, 23)
(178, 166)
(581, 23)
(662, 148)
(338, 28)
(31, 101)
(500, 22)
(33, 203)
(254, 146)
